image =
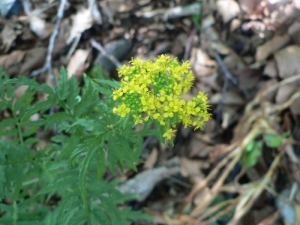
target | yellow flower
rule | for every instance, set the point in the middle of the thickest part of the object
(153, 90)
(169, 133)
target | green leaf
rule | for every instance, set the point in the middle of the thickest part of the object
(63, 88)
(82, 172)
(102, 90)
(31, 83)
(251, 157)
(57, 118)
(111, 83)
(73, 98)
(88, 124)
(101, 163)
(38, 107)
(23, 103)
(272, 140)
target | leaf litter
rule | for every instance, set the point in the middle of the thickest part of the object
(257, 94)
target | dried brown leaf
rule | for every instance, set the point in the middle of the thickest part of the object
(8, 36)
(20, 91)
(295, 106)
(231, 98)
(40, 27)
(34, 59)
(82, 21)
(151, 159)
(196, 147)
(202, 64)
(288, 60)
(249, 6)
(228, 9)
(248, 78)
(192, 169)
(271, 46)
(12, 61)
(78, 63)
(271, 69)
(285, 92)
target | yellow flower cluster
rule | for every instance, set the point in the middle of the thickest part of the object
(153, 90)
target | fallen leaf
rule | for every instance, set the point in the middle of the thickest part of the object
(34, 59)
(288, 60)
(212, 81)
(238, 64)
(192, 169)
(271, 46)
(144, 182)
(271, 69)
(221, 48)
(231, 98)
(285, 92)
(228, 9)
(11, 62)
(8, 36)
(40, 27)
(196, 146)
(235, 24)
(78, 63)
(248, 78)
(151, 159)
(82, 21)
(228, 114)
(19, 92)
(249, 6)
(295, 106)
(202, 64)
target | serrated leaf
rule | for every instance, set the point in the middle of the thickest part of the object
(31, 141)
(101, 163)
(102, 90)
(23, 103)
(72, 98)
(38, 107)
(111, 83)
(57, 118)
(3, 105)
(30, 131)
(34, 123)
(82, 171)
(88, 124)
(31, 83)
(63, 88)
(10, 122)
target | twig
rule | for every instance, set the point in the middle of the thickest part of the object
(48, 63)
(224, 69)
(188, 45)
(228, 77)
(99, 47)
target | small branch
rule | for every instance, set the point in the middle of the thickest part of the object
(99, 47)
(188, 45)
(228, 77)
(48, 63)
(224, 69)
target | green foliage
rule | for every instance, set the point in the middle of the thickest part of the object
(89, 141)
(254, 148)
(252, 151)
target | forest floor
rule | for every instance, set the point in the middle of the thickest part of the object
(244, 166)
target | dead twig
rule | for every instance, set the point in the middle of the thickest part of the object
(48, 63)
(99, 47)
(228, 77)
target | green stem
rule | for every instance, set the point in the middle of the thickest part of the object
(20, 134)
